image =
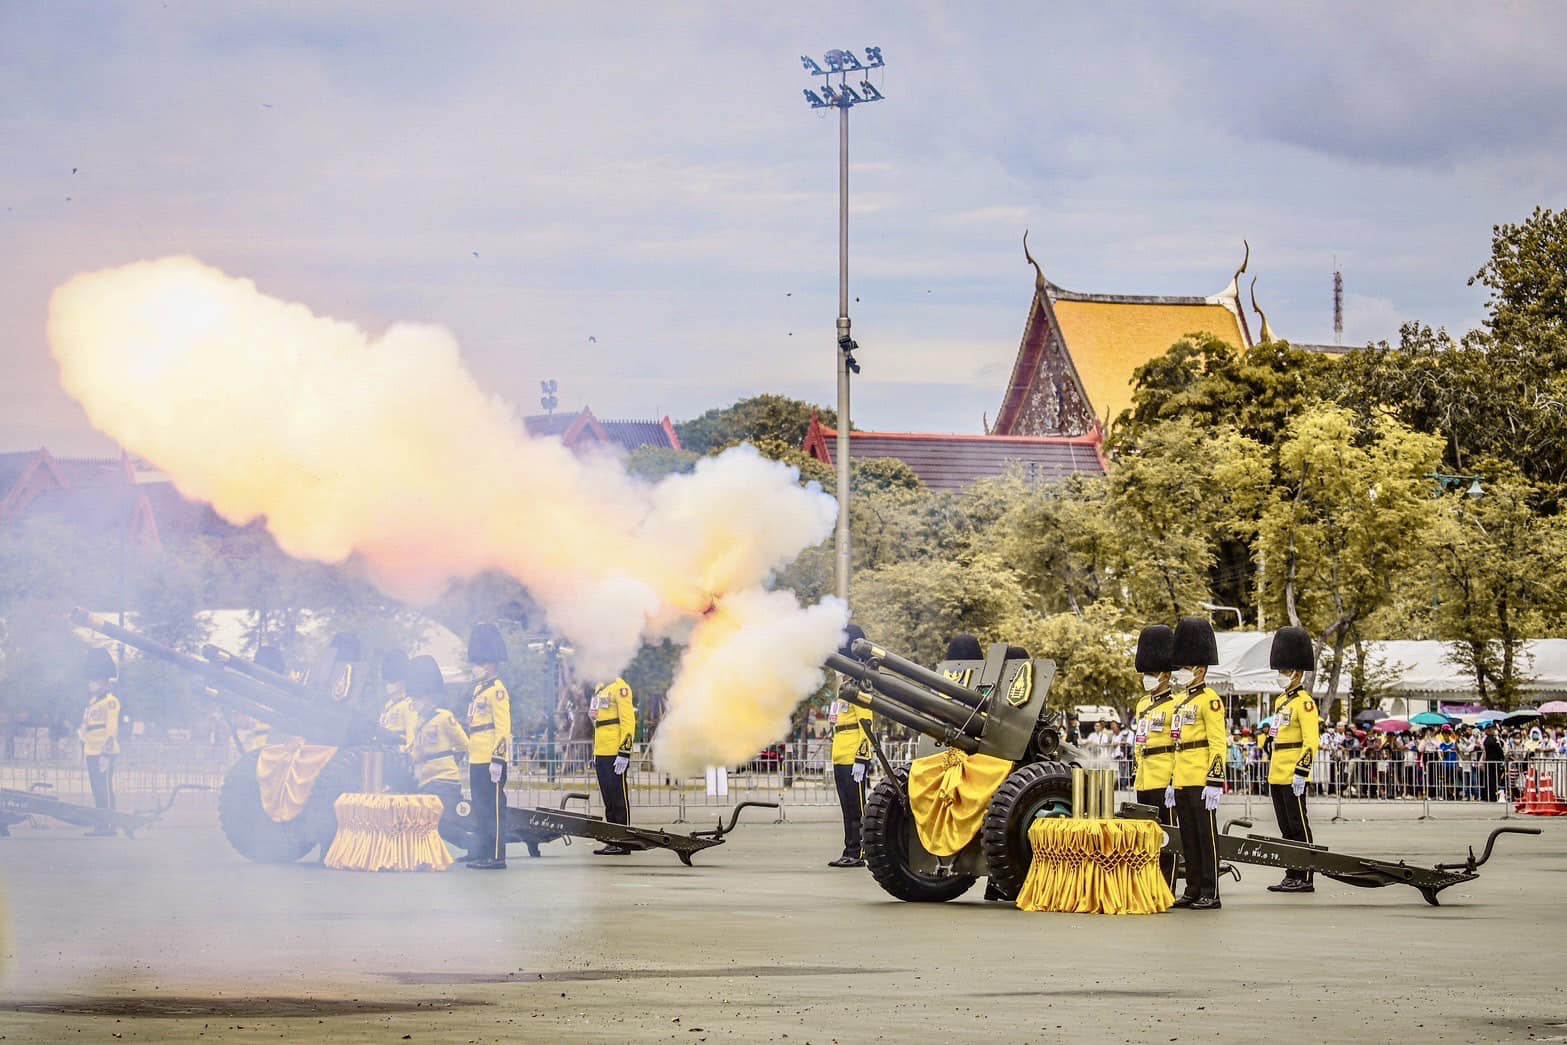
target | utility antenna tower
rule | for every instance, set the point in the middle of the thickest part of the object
(1338, 303)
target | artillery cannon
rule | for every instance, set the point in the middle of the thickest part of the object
(328, 710)
(996, 707)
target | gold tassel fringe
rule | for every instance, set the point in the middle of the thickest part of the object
(1095, 867)
(388, 833)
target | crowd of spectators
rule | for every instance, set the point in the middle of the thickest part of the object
(1452, 763)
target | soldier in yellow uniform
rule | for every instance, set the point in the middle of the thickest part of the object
(438, 743)
(614, 714)
(1201, 751)
(1296, 735)
(100, 730)
(489, 746)
(851, 761)
(399, 721)
(1152, 749)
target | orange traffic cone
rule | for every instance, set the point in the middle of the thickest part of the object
(1539, 795)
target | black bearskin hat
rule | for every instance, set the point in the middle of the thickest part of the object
(394, 666)
(98, 666)
(423, 677)
(1155, 643)
(1017, 653)
(1194, 645)
(851, 635)
(485, 645)
(964, 647)
(1292, 651)
(271, 658)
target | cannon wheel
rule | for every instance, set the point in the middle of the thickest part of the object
(252, 833)
(1035, 791)
(884, 834)
(318, 820)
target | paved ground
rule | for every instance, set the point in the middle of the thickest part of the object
(171, 937)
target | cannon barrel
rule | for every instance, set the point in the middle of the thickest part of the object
(865, 650)
(948, 712)
(890, 706)
(285, 707)
(219, 655)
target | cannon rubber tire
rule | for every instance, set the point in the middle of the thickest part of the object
(1003, 838)
(884, 833)
(253, 834)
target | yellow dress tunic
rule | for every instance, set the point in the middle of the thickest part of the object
(614, 719)
(1153, 750)
(1297, 736)
(100, 730)
(436, 746)
(849, 742)
(399, 722)
(1201, 742)
(489, 723)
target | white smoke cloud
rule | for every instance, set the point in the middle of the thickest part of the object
(387, 448)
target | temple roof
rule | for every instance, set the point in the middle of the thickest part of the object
(1074, 366)
(582, 429)
(1109, 338)
(951, 462)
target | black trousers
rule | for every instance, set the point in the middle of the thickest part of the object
(851, 799)
(614, 788)
(1155, 797)
(489, 803)
(451, 828)
(1290, 811)
(102, 781)
(1199, 843)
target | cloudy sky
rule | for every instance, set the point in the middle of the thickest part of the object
(635, 200)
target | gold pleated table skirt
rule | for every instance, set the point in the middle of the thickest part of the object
(388, 833)
(1095, 867)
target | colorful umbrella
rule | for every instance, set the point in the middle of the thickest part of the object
(1430, 718)
(1393, 725)
(1371, 716)
(1554, 707)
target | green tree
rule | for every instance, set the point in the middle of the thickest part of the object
(1351, 513)
(749, 420)
(1496, 581)
(915, 606)
(657, 462)
(1527, 277)
(1204, 380)
(1093, 655)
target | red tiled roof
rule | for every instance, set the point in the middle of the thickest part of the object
(951, 462)
(583, 429)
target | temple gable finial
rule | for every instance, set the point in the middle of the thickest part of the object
(1039, 275)
(1267, 331)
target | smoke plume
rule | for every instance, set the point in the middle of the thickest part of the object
(386, 448)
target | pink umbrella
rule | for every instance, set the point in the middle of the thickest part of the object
(1554, 707)
(1393, 725)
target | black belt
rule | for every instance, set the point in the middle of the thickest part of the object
(836, 729)
(432, 758)
(1162, 749)
(94, 729)
(1188, 745)
(600, 724)
(1294, 745)
(481, 729)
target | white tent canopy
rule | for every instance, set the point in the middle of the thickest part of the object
(1424, 668)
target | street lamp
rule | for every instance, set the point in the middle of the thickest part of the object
(837, 93)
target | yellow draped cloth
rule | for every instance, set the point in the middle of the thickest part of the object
(287, 774)
(949, 793)
(1095, 867)
(388, 833)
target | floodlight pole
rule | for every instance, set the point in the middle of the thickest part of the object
(840, 64)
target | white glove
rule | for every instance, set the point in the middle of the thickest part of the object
(1169, 797)
(621, 763)
(1211, 796)
(859, 772)
(1298, 785)
(495, 772)
(103, 763)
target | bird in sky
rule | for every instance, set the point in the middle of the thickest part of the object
(593, 339)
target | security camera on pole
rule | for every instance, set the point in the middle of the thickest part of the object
(837, 93)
